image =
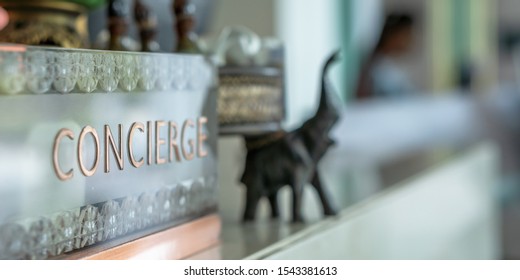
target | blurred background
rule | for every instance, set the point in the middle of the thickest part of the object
(447, 84)
(428, 142)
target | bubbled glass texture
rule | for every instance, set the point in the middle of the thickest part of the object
(40, 70)
(63, 232)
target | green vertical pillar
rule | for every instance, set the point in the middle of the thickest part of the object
(460, 13)
(440, 32)
(473, 39)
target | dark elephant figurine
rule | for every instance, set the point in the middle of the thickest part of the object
(291, 158)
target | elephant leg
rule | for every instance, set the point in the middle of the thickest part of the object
(298, 185)
(328, 209)
(273, 201)
(252, 199)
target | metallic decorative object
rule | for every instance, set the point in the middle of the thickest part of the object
(251, 91)
(47, 22)
(291, 158)
(102, 146)
(251, 100)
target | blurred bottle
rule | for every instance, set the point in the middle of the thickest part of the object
(118, 11)
(147, 25)
(184, 12)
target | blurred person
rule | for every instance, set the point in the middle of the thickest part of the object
(381, 76)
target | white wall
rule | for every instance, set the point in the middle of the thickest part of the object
(310, 33)
(367, 22)
(255, 14)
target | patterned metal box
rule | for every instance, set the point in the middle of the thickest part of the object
(251, 100)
